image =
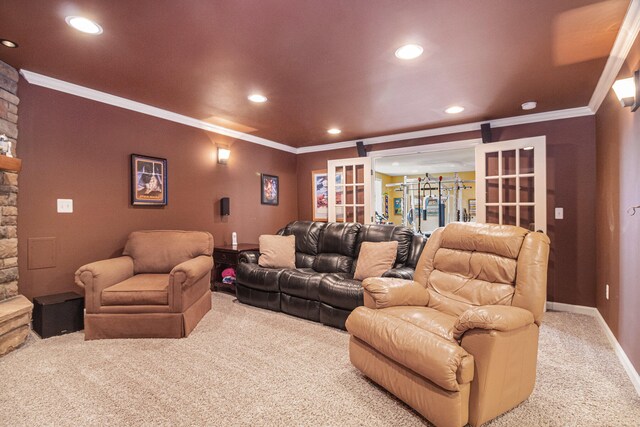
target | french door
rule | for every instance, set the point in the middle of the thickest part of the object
(511, 183)
(350, 190)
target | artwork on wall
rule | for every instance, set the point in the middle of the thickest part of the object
(339, 191)
(397, 206)
(269, 189)
(148, 180)
(320, 191)
(472, 207)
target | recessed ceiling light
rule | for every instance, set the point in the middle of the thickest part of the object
(530, 105)
(395, 164)
(256, 97)
(409, 51)
(8, 43)
(334, 131)
(83, 24)
(454, 109)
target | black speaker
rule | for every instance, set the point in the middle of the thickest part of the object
(58, 314)
(225, 206)
(362, 152)
(485, 129)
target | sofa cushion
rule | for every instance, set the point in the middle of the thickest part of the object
(375, 258)
(387, 233)
(142, 289)
(307, 235)
(339, 238)
(332, 263)
(303, 283)
(431, 320)
(339, 291)
(158, 251)
(277, 251)
(255, 277)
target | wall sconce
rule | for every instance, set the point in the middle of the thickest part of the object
(628, 91)
(223, 155)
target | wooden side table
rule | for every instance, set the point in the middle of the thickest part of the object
(225, 257)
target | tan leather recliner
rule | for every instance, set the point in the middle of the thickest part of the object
(159, 288)
(459, 343)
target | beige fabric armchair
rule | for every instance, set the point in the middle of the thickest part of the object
(458, 343)
(158, 288)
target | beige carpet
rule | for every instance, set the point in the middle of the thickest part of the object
(247, 366)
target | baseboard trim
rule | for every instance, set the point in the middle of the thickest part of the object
(592, 311)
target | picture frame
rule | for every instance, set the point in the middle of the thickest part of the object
(320, 192)
(397, 206)
(148, 181)
(269, 189)
(472, 207)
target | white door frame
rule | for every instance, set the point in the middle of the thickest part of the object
(368, 194)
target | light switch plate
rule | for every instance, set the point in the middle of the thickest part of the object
(559, 213)
(65, 205)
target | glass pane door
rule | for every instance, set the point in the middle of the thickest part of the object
(511, 183)
(350, 190)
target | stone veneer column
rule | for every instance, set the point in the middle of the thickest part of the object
(15, 310)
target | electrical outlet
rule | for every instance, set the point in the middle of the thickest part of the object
(65, 206)
(559, 213)
(606, 291)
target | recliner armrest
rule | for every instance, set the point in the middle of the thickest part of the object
(189, 272)
(96, 276)
(381, 292)
(496, 317)
(249, 256)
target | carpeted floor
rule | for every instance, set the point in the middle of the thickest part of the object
(247, 366)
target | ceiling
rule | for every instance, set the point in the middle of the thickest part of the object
(434, 162)
(323, 63)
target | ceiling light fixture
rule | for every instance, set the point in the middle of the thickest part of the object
(83, 24)
(8, 43)
(454, 109)
(409, 51)
(256, 97)
(529, 105)
(628, 91)
(334, 131)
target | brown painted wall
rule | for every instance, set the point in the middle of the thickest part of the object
(571, 184)
(79, 149)
(618, 233)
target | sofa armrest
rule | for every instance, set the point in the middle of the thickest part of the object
(189, 272)
(495, 317)
(381, 292)
(400, 273)
(96, 276)
(249, 256)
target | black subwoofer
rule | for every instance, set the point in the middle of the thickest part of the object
(58, 314)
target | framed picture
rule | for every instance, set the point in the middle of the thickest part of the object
(339, 191)
(320, 191)
(269, 189)
(397, 206)
(472, 207)
(148, 180)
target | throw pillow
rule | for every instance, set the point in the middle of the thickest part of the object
(375, 258)
(277, 251)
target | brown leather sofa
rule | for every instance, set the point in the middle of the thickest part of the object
(158, 288)
(458, 343)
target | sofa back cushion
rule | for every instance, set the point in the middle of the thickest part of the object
(158, 251)
(387, 233)
(337, 248)
(307, 235)
(417, 245)
(465, 265)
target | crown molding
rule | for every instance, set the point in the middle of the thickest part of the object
(468, 127)
(106, 98)
(625, 39)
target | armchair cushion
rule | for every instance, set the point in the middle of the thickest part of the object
(387, 292)
(375, 258)
(141, 289)
(189, 272)
(158, 251)
(497, 317)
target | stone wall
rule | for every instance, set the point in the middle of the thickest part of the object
(15, 310)
(8, 185)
